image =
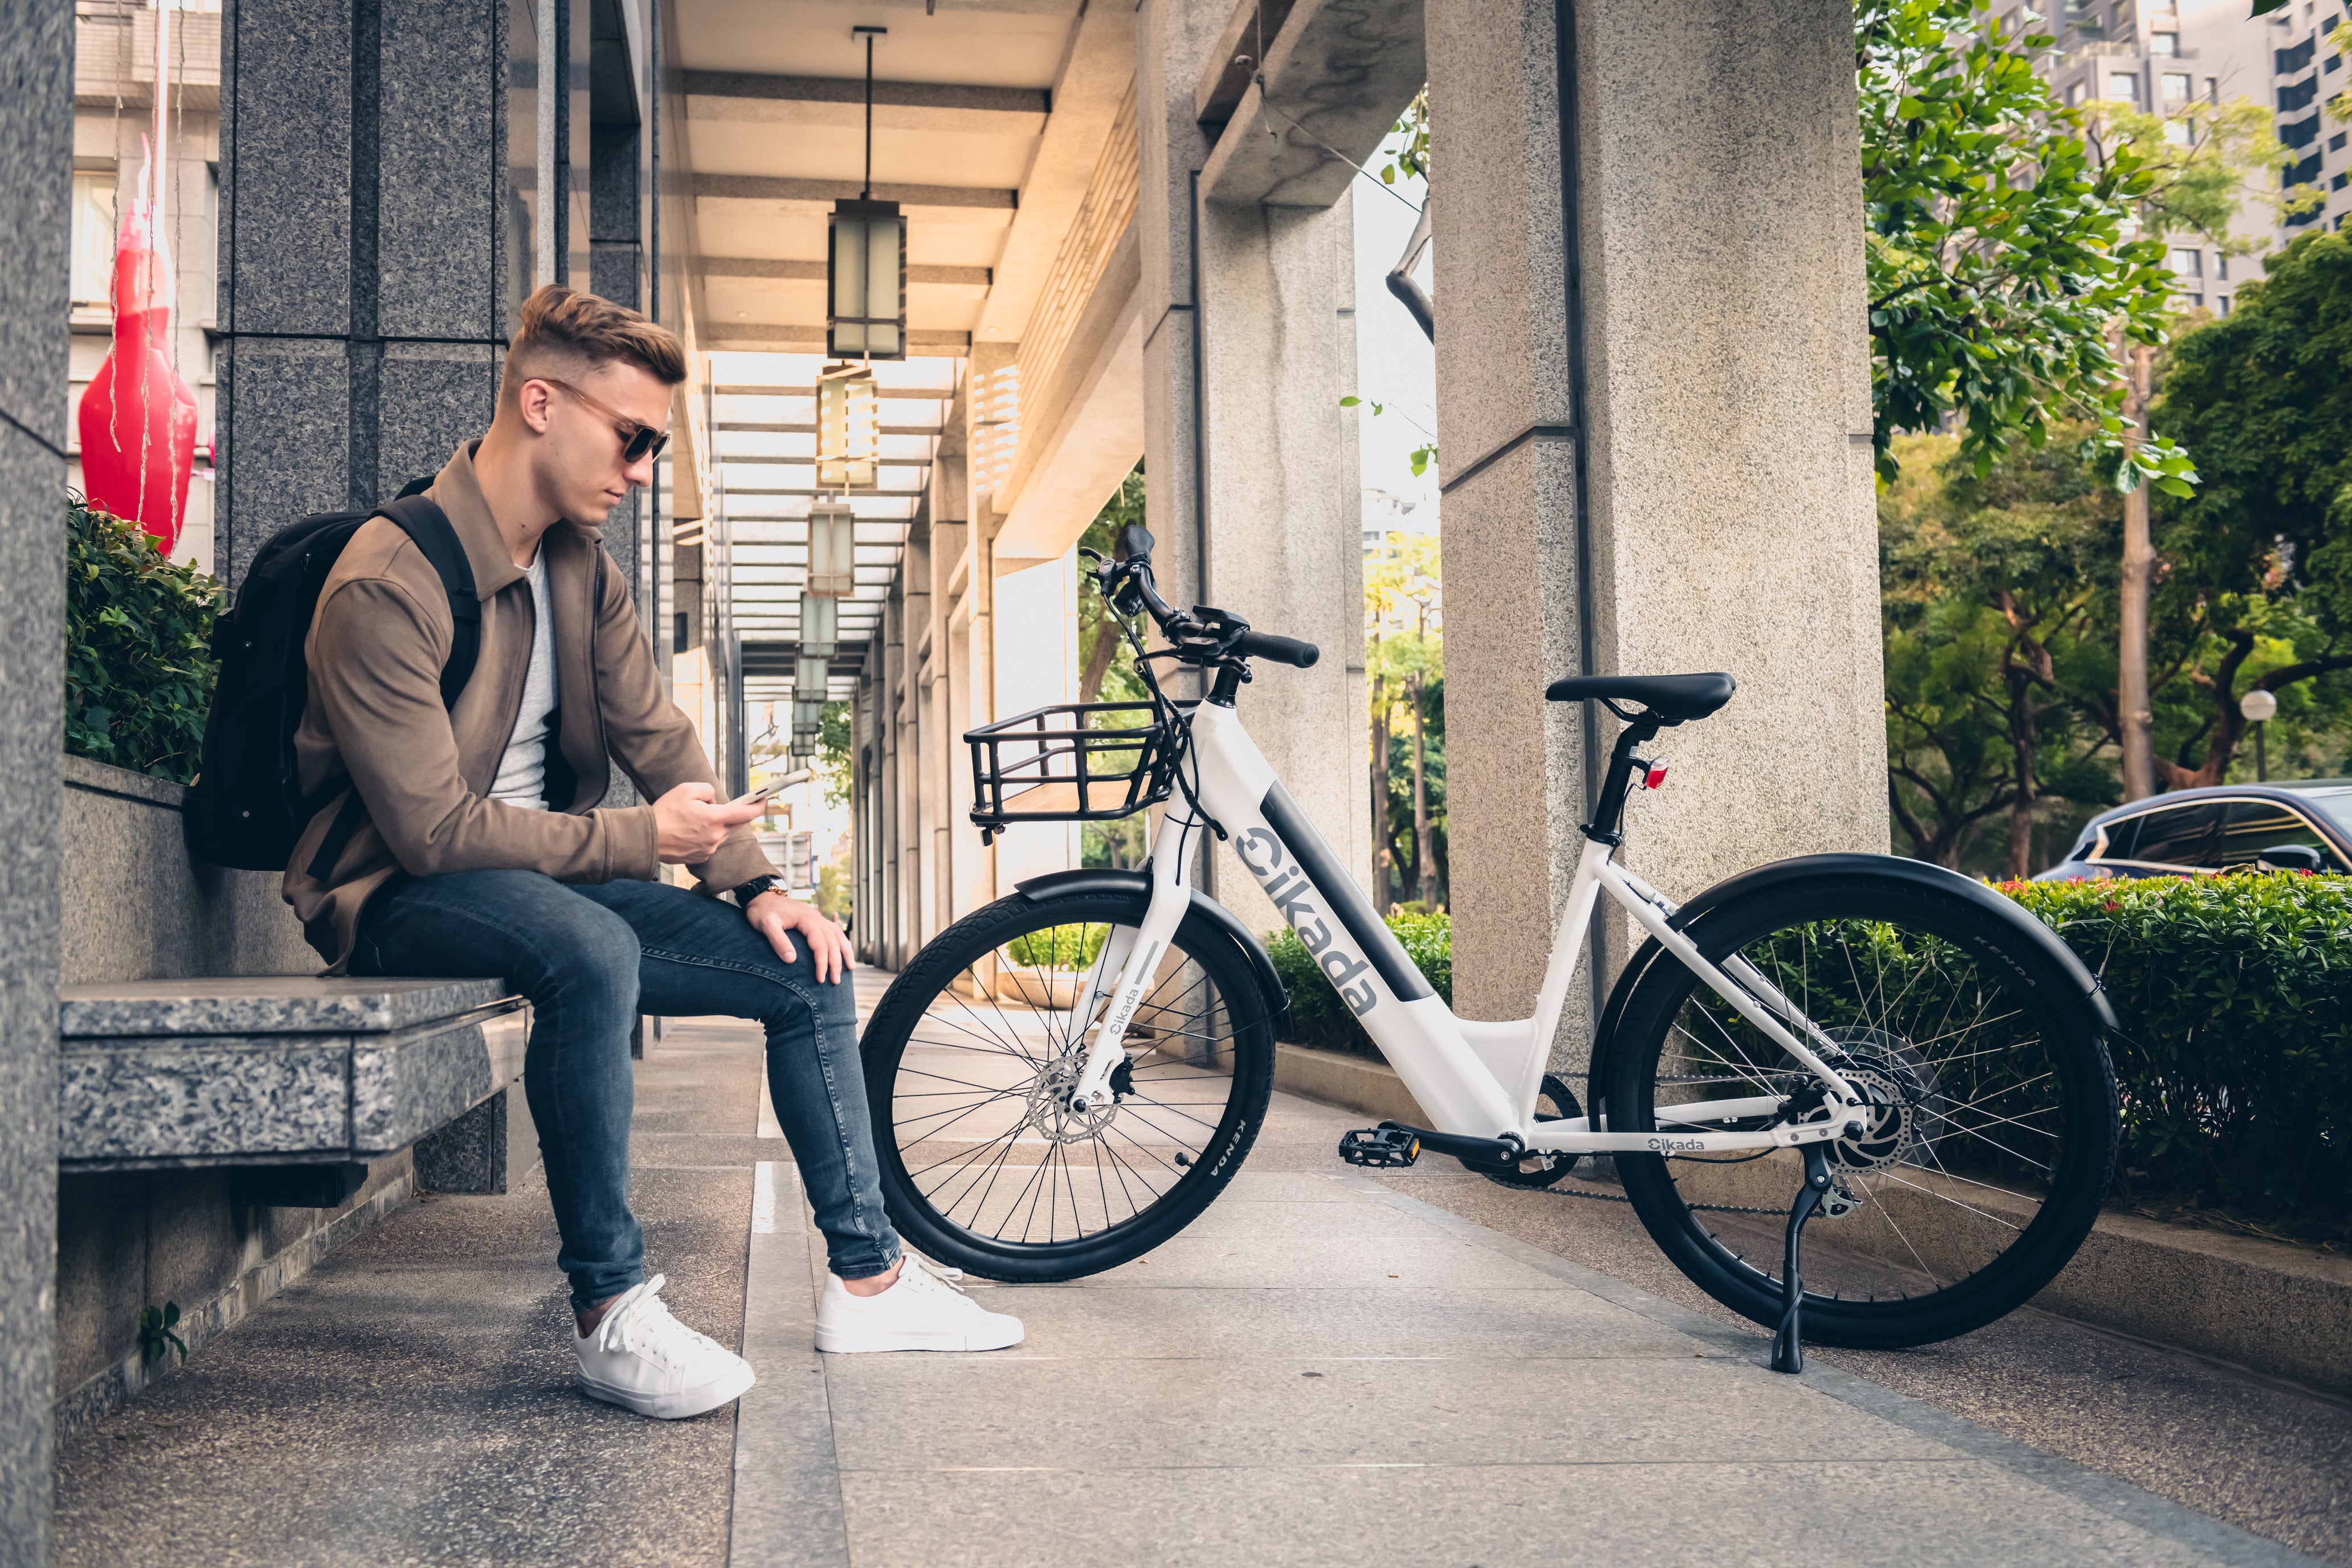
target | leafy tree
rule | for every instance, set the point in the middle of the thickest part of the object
(2260, 560)
(1995, 593)
(833, 759)
(1998, 250)
(1097, 633)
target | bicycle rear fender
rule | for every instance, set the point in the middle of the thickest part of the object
(1085, 883)
(2084, 987)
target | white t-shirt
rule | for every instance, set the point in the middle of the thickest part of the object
(522, 772)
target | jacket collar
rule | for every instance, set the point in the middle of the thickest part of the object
(460, 495)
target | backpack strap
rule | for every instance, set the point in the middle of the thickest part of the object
(428, 527)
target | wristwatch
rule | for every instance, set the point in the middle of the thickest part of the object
(745, 892)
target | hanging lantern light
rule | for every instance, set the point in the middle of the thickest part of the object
(832, 552)
(808, 713)
(819, 624)
(865, 281)
(810, 672)
(865, 259)
(848, 428)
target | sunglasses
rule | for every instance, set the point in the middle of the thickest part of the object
(639, 441)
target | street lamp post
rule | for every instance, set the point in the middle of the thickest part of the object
(2258, 706)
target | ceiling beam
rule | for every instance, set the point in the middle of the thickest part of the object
(745, 97)
(815, 271)
(824, 193)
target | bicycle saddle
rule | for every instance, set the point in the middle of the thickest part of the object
(1671, 698)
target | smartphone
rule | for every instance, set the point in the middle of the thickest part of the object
(762, 793)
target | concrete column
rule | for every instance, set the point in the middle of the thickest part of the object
(37, 51)
(368, 260)
(1679, 309)
(1253, 498)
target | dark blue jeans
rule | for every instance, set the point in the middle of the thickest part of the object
(590, 959)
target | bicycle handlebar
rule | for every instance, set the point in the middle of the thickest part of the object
(1281, 649)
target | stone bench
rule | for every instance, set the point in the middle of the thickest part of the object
(296, 1083)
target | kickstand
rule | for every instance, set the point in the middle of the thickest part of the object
(1789, 1344)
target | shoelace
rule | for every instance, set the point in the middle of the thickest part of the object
(646, 1328)
(933, 1279)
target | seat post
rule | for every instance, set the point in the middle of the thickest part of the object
(1609, 811)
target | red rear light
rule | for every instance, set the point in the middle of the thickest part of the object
(1656, 777)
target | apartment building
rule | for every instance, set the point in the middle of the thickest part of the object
(2168, 58)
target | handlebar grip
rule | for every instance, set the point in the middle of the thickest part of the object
(1282, 651)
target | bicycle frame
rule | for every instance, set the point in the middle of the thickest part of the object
(1473, 1078)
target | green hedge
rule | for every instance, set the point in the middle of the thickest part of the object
(139, 664)
(2233, 1047)
(2233, 1050)
(1318, 1016)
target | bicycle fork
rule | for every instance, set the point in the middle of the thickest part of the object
(1133, 955)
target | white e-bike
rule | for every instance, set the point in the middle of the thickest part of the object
(1064, 1079)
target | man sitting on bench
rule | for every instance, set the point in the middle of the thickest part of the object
(481, 850)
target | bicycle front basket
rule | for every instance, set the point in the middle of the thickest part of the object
(1074, 762)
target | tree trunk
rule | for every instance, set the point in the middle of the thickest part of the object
(1424, 855)
(2136, 717)
(2024, 741)
(1099, 658)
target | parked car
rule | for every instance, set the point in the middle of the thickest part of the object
(2303, 825)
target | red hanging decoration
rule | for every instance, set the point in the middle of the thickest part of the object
(138, 418)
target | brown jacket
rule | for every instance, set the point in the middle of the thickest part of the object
(375, 651)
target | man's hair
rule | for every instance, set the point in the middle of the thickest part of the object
(567, 334)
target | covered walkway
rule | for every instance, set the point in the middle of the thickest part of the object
(1325, 1368)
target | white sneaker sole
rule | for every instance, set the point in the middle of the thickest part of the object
(679, 1404)
(836, 1342)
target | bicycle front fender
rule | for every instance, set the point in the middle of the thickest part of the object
(1088, 882)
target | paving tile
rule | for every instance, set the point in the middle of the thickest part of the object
(1963, 1514)
(1316, 1261)
(1064, 1323)
(901, 1413)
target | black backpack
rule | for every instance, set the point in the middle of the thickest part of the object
(246, 808)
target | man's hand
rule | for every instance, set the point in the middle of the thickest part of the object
(689, 828)
(775, 916)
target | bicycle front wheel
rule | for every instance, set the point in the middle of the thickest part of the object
(1992, 1134)
(972, 1053)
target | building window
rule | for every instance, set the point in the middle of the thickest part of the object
(2222, 264)
(2177, 86)
(93, 237)
(2212, 89)
(2298, 95)
(2188, 263)
(2222, 304)
(2197, 301)
(2123, 87)
(2180, 132)
(2165, 43)
(2339, 182)
(2335, 63)
(2074, 93)
(2335, 142)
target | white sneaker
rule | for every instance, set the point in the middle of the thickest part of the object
(921, 1310)
(642, 1359)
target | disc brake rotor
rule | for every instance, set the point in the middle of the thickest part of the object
(1900, 1088)
(1049, 1101)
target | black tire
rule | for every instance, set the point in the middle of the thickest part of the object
(1100, 1190)
(1981, 1172)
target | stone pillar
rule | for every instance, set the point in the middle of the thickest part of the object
(1680, 309)
(367, 261)
(1253, 498)
(37, 50)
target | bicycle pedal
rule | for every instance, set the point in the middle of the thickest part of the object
(1380, 1148)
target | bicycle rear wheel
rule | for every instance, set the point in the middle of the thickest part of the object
(1993, 1130)
(971, 1058)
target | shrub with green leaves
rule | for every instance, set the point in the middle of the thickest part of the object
(1059, 947)
(1318, 1016)
(139, 663)
(2233, 1047)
